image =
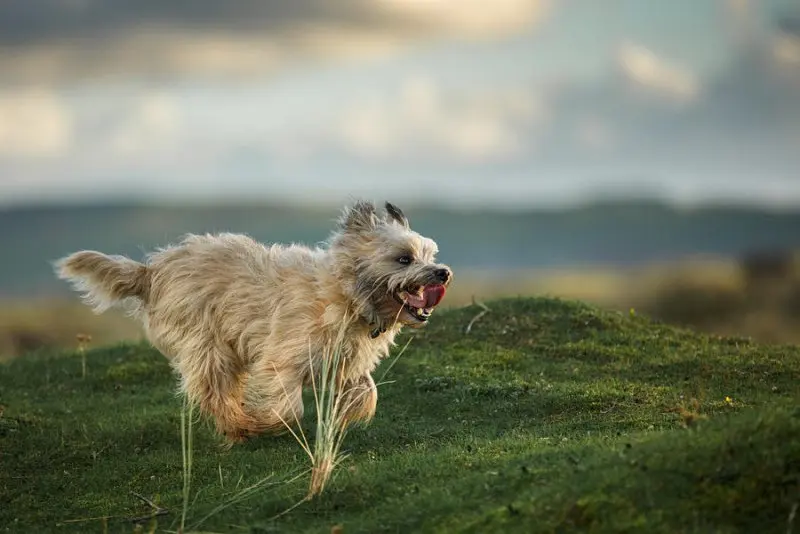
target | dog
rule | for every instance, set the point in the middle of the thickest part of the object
(244, 324)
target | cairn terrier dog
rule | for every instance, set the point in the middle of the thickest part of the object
(245, 325)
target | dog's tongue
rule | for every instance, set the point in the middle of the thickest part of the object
(432, 295)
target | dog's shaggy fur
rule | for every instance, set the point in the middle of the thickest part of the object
(244, 324)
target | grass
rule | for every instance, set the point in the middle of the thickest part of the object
(549, 416)
(325, 453)
(331, 430)
(187, 456)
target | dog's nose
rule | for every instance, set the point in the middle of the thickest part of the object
(442, 274)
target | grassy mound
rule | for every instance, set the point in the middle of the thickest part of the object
(548, 416)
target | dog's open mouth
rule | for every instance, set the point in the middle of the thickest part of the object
(420, 303)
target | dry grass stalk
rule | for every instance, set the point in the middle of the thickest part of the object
(187, 456)
(331, 427)
(332, 402)
(485, 309)
(83, 342)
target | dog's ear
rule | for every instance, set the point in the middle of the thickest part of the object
(396, 214)
(360, 217)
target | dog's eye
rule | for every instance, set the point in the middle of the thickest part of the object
(405, 259)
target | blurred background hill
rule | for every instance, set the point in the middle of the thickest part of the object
(632, 153)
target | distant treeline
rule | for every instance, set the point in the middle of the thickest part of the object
(616, 233)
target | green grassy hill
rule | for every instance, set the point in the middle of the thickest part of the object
(549, 416)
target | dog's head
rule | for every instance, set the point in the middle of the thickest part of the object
(389, 269)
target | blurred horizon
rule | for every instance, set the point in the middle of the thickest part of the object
(518, 104)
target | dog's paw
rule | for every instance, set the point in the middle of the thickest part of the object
(237, 427)
(236, 437)
(240, 435)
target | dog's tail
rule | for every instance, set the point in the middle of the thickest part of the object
(104, 280)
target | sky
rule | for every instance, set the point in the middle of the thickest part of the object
(460, 102)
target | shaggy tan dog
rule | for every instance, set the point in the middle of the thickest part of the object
(243, 324)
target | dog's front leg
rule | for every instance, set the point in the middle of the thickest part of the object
(359, 400)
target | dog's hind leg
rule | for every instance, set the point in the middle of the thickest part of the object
(273, 397)
(211, 379)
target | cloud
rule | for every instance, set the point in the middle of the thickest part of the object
(786, 49)
(159, 55)
(33, 124)
(740, 17)
(152, 123)
(595, 133)
(419, 120)
(647, 69)
(45, 41)
(470, 18)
